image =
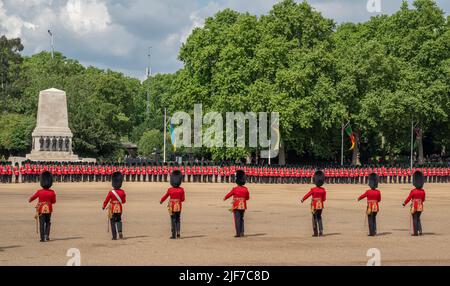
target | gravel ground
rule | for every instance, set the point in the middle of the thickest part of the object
(278, 227)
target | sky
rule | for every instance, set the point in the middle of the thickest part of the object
(117, 34)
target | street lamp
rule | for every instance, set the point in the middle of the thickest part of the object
(51, 43)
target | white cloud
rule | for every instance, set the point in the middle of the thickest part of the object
(197, 21)
(116, 34)
(12, 25)
(85, 16)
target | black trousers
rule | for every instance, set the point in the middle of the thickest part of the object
(175, 219)
(116, 224)
(417, 224)
(317, 222)
(372, 219)
(239, 222)
(44, 225)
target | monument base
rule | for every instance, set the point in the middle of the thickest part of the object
(52, 156)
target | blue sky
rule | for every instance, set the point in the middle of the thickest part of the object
(116, 34)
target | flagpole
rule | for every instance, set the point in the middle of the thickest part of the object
(412, 144)
(165, 133)
(342, 144)
(342, 141)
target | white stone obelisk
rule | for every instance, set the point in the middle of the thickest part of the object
(52, 137)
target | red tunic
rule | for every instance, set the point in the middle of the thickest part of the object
(46, 198)
(176, 199)
(240, 197)
(111, 198)
(373, 198)
(319, 195)
(418, 197)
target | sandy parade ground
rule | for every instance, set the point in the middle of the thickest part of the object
(278, 227)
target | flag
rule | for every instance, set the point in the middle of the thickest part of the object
(352, 136)
(172, 136)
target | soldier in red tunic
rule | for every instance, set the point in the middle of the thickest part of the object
(188, 172)
(373, 198)
(240, 196)
(216, 173)
(133, 172)
(417, 198)
(176, 199)
(46, 198)
(2, 173)
(116, 198)
(222, 174)
(318, 194)
(16, 173)
(210, 173)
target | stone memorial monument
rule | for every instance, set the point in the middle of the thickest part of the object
(52, 138)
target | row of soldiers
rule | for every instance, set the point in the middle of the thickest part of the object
(240, 194)
(93, 172)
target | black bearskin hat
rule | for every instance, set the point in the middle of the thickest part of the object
(240, 177)
(319, 178)
(418, 179)
(46, 180)
(117, 179)
(176, 178)
(373, 181)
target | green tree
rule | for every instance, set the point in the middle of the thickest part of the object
(150, 142)
(15, 134)
(10, 60)
(280, 62)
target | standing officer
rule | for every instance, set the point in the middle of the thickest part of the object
(240, 197)
(373, 198)
(417, 198)
(318, 194)
(116, 198)
(46, 198)
(176, 199)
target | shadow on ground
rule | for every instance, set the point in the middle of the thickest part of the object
(192, 236)
(3, 248)
(134, 237)
(256, 234)
(332, 234)
(66, 238)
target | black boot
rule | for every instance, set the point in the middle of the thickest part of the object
(178, 225)
(47, 231)
(242, 225)
(42, 230)
(173, 227)
(119, 229)
(314, 221)
(320, 227)
(419, 226)
(113, 230)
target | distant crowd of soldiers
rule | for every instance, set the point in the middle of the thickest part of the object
(28, 172)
